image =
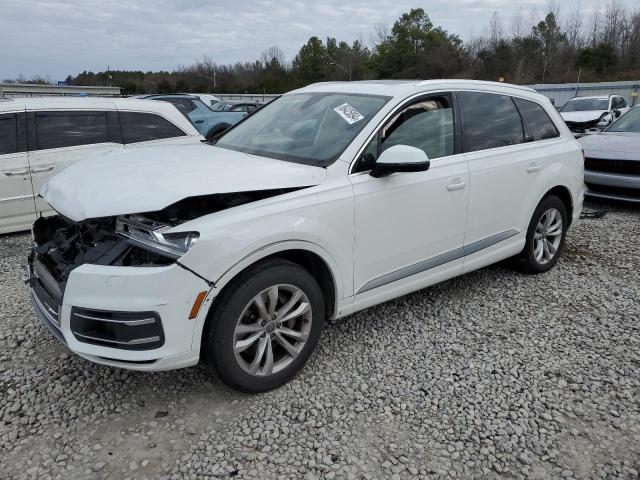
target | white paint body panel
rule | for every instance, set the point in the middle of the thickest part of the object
(361, 227)
(19, 200)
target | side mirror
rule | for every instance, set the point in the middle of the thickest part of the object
(616, 113)
(400, 158)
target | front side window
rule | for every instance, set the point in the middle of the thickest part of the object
(539, 123)
(309, 128)
(426, 124)
(585, 104)
(8, 134)
(144, 127)
(490, 121)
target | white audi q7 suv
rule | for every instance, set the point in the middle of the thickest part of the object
(333, 198)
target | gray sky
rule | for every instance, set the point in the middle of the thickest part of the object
(57, 38)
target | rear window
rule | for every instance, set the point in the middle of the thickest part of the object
(144, 127)
(537, 119)
(69, 129)
(490, 121)
(8, 134)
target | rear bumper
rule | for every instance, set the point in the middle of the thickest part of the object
(120, 293)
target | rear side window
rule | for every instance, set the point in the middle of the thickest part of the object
(536, 118)
(68, 129)
(144, 127)
(8, 134)
(184, 105)
(490, 121)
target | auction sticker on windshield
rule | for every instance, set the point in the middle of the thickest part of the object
(348, 113)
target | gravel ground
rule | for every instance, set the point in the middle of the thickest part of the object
(491, 375)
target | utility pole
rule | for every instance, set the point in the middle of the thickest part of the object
(348, 70)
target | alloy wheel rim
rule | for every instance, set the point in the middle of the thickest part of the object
(272, 330)
(547, 236)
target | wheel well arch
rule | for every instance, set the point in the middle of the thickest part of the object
(564, 194)
(311, 261)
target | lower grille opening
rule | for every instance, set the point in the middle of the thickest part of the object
(622, 167)
(618, 191)
(123, 330)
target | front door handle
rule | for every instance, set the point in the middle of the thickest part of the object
(198, 121)
(459, 185)
(534, 167)
(43, 169)
(15, 173)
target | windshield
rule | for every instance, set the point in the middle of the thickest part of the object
(309, 128)
(627, 123)
(585, 104)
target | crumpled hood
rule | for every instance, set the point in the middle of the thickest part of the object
(151, 178)
(612, 145)
(587, 116)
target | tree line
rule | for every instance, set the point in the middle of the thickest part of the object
(525, 49)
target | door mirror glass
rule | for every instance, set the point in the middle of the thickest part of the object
(400, 158)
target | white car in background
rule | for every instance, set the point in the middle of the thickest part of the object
(207, 98)
(583, 114)
(41, 136)
(324, 202)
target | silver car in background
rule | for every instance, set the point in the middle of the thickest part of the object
(612, 159)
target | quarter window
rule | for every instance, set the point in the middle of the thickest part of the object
(144, 127)
(536, 118)
(8, 134)
(68, 129)
(490, 121)
(426, 124)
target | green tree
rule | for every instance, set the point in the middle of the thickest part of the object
(415, 49)
(311, 62)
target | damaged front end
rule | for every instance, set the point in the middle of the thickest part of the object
(61, 245)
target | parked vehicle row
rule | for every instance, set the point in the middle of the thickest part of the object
(326, 201)
(612, 159)
(589, 114)
(209, 121)
(41, 136)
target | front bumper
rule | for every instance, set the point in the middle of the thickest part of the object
(612, 186)
(169, 292)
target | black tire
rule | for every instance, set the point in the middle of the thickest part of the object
(218, 335)
(526, 261)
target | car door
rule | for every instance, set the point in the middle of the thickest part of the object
(17, 209)
(503, 171)
(58, 138)
(409, 227)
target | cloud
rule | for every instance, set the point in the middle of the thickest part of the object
(58, 38)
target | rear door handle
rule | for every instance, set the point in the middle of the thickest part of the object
(198, 121)
(459, 185)
(534, 167)
(43, 169)
(15, 173)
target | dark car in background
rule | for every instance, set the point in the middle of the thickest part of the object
(612, 159)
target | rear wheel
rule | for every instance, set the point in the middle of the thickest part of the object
(264, 326)
(545, 236)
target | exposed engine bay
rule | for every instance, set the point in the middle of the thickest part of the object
(137, 240)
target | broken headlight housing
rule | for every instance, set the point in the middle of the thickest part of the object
(152, 235)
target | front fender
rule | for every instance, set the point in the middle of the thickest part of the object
(256, 256)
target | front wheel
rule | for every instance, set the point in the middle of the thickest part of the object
(545, 236)
(264, 327)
